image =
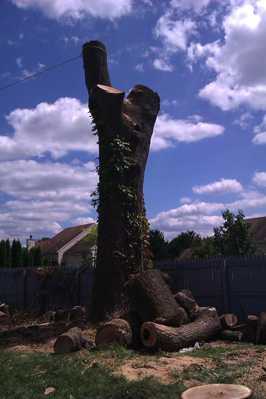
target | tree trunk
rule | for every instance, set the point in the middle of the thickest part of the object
(152, 299)
(156, 336)
(188, 302)
(115, 331)
(250, 330)
(70, 341)
(261, 330)
(229, 320)
(124, 128)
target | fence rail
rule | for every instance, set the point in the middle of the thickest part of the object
(233, 284)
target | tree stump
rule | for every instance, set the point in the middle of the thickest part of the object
(115, 331)
(70, 341)
(221, 391)
(152, 299)
(155, 336)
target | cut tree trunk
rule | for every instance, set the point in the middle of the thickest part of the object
(152, 299)
(229, 335)
(115, 331)
(124, 128)
(70, 341)
(219, 391)
(157, 336)
(228, 320)
(261, 329)
(185, 299)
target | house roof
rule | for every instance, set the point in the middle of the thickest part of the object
(257, 228)
(52, 245)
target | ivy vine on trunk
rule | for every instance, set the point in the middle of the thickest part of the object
(124, 127)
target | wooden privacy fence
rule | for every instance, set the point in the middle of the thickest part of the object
(37, 289)
(235, 284)
(232, 284)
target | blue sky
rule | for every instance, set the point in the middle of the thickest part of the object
(207, 61)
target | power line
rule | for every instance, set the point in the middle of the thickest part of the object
(37, 74)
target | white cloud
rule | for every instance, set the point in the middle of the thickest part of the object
(239, 60)
(260, 133)
(196, 216)
(169, 131)
(139, 67)
(174, 32)
(78, 9)
(260, 179)
(219, 187)
(260, 138)
(55, 128)
(196, 5)
(43, 196)
(162, 65)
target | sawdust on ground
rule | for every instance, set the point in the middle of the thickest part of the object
(163, 369)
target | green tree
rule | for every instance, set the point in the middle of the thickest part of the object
(177, 245)
(205, 248)
(16, 254)
(2, 253)
(233, 238)
(158, 245)
(8, 254)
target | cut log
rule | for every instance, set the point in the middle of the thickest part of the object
(221, 391)
(157, 336)
(261, 329)
(229, 335)
(70, 341)
(185, 299)
(115, 331)
(152, 299)
(228, 320)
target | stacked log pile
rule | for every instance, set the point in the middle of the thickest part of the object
(164, 321)
(253, 330)
(170, 322)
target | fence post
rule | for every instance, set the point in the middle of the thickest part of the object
(225, 286)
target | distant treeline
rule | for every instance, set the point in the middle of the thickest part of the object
(13, 254)
(232, 238)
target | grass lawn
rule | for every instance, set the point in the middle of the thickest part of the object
(89, 375)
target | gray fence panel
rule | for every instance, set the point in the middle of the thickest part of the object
(247, 285)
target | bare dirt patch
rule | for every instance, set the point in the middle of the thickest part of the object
(164, 369)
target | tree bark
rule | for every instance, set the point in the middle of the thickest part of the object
(152, 299)
(115, 331)
(124, 128)
(70, 341)
(156, 336)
